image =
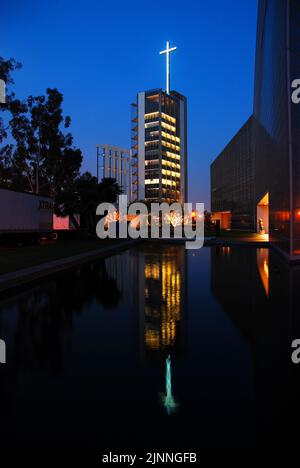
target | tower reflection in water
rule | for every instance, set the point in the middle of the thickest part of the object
(157, 277)
(161, 305)
(260, 292)
(162, 310)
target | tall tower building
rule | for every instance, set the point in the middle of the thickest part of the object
(159, 144)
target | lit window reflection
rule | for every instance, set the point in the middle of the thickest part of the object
(163, 283)
(263, 268)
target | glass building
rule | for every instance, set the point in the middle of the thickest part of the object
(232, 182)
(275, 148)
(115, 162)
(159, 147)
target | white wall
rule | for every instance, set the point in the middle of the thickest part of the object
(24, 212)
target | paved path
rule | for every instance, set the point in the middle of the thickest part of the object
(239, 241)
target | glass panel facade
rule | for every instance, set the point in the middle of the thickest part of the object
(110, 163)
(271, 114)
(232, 180)
(294, 60)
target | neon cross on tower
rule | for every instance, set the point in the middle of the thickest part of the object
(167, 52)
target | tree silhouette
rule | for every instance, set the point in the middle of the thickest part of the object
(6, 69)
(43, 154)
(84, 196)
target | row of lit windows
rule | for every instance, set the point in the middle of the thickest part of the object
(164, 182)
(171, 167)
(154, 174)
(171, 155)
(151, 181)
(168, 157)
(170, 145)
(155, 123)
(170, 173)
(168, 192)
(172, 183)
(153, 177)
(168, 127)
(165, 135)
(152, 142)
(164, 162)
(153, 115)
(168, 117)
(170, 137)
(152, 124)
(170, 164)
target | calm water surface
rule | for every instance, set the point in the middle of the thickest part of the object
(156, 347)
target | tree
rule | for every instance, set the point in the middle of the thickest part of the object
(43, 155)
(6, 69)
(84, 197)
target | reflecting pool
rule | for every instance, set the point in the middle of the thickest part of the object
(156, 347)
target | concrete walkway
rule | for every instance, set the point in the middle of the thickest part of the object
(255, 241)
(25, 275)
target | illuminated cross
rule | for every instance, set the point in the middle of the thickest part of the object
(167, 52)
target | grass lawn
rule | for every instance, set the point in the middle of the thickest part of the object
(13, 259)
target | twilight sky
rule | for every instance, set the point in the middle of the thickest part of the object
(99, 54)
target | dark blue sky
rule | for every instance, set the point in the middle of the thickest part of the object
(99, 54)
